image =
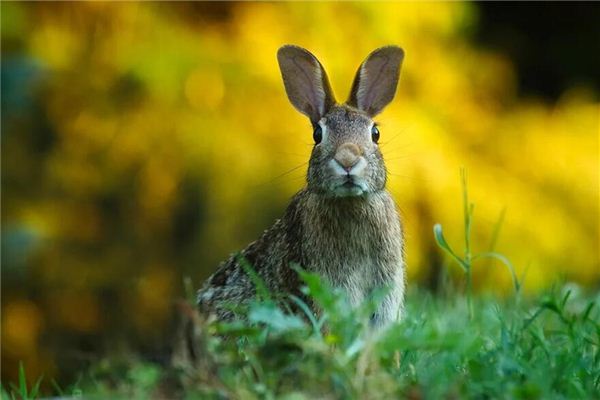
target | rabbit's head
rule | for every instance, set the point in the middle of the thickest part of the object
(345, 160)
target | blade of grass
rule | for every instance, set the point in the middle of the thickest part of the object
(57, 388)
(441, 241)
(22, 381)
(496, 230)
(506, 262)
(36, 388)
(468, 214)
(5, 394)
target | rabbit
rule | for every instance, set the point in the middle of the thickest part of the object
(343, 225)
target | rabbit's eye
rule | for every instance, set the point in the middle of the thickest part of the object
(375, 134)
(318, 134)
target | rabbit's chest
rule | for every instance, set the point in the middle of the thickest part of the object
(351, 267)
(355, 255)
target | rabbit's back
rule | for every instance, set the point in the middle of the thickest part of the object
(268, 257)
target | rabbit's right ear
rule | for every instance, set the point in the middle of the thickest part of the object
(376, 80)
(305, 81)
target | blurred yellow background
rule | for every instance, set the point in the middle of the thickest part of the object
(144, 142)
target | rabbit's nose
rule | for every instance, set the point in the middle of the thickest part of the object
(347, 155)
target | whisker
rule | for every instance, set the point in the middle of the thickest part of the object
(279, 153)
(400, 152)
(272, 180)
(399, 147)
(404, 157)
(412, 178)
(402, 131)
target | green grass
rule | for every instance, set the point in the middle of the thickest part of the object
(448, 346)
(546, 349)
(22, 390)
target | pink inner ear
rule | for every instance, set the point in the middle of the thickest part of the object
(372, 82)
(310, 87)
(305, 81)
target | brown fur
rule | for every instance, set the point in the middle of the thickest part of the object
(344, 227)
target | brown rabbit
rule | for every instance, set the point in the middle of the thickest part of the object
(343, 225)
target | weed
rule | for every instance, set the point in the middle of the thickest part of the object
(22, 390)
(468, 258)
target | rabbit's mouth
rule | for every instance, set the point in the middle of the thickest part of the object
(350, 187)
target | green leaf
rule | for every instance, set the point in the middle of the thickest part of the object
(355, 347)
(308, 312)
(441, 241)
(274, 318)
(506, 262)
(324, 294)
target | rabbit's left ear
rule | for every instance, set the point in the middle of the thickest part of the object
(376, 80)
(305, 82)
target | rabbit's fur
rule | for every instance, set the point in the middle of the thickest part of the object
(343, 225)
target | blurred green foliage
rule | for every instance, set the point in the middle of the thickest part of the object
(144, 142)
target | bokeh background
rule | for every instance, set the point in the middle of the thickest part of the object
(144, 142)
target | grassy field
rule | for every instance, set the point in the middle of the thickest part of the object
(544, 348)
(452, 345)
